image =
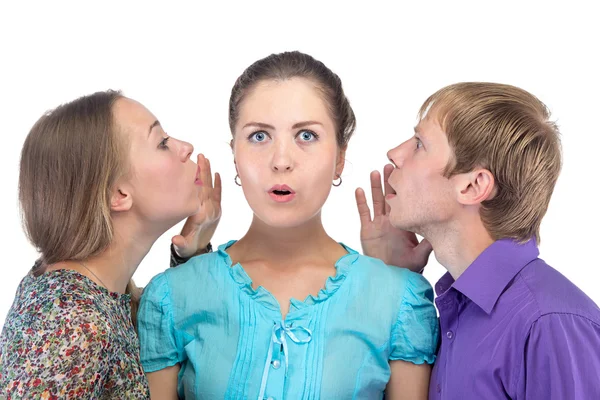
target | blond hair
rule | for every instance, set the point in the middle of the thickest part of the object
(70, 162)
(506, 130)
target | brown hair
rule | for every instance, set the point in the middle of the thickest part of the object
(506, 130)
(295, 64)
(70, 161)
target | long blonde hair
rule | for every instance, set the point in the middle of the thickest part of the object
(70, 162)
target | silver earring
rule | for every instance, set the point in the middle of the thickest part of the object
(237, 180)
(339, 183)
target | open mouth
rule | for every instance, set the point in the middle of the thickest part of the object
(391, 193)
(282, 193)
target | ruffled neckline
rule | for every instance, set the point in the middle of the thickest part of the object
(263, 296)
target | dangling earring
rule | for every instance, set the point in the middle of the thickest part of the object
(339, 183)
(236, 179)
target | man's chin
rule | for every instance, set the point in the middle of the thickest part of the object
(404, 224)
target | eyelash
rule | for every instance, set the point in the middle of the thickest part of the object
(419, 142)
(309, 131)
(251, 136)
(163, 143)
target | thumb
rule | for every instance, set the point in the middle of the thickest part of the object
(179, 243)
(423, 250)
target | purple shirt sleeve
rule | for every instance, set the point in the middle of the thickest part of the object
(562, 359)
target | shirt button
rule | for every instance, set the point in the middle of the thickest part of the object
(276, 364)
(450, 335)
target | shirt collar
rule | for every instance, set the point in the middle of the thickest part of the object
(486, 278)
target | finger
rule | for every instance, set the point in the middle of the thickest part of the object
(205, 171)
(377, 193)
(423, 250)
(217, 190)
(180, 244)
(387, 171)
(363, 208)
(209, 172)
(204, 174)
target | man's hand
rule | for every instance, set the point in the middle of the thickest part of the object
(379, 238)
(199, 228)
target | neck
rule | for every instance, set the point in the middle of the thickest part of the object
(458, 244)
(293, 243)
(115, 266)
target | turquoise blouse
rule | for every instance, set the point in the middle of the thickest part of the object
(232, 343)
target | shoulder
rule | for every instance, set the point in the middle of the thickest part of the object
(63, 320)
(56, 297)
(376, 268)
(373, 271)
(404, 303)
(553, 293)
(196, 266)
(396, 292)
(199, 275)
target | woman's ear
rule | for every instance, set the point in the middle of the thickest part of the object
(121, 200)
(340, 162)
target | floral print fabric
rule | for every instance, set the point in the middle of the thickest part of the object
(66, 337)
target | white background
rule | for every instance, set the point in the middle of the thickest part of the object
(181, 60)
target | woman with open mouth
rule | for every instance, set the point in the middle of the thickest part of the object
(286, 312)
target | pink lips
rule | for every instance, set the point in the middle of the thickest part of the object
(282, 193)
(198, 181)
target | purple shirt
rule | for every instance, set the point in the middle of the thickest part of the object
(514, 328)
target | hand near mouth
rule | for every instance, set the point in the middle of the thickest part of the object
(199, 228)
(379, 238)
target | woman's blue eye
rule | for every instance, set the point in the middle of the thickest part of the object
(307, 136)
(419, 143)
(258, 137)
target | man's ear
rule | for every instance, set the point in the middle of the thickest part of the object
(475, 187)
(121, 199)
(340, 162)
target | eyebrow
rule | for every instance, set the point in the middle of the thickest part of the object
(258, 125)
(295, 126)
(155, 123)
(305, 123)
(418, 131)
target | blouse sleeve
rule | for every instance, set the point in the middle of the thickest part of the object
(63, 359)
(158, 344)
(415, 334)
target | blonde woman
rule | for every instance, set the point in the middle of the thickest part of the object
(100, 181)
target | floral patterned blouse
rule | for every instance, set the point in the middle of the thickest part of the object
(66, 337)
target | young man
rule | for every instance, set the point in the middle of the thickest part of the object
(475, 181)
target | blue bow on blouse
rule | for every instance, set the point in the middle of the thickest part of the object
(278, 336)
